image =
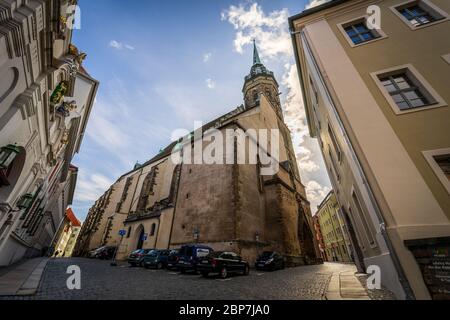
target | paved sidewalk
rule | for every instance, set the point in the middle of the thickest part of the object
(24, 279)
(346, 286)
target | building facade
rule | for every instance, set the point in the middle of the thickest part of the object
(67, 235)
(46, 97)
(230, 206)
(334, 232)
(319, 238)
(376, 98)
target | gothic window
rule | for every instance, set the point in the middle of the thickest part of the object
(174, 183)
(124, 194)
(147, 189)
(153, 229)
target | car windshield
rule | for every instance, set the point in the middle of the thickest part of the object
(174, 252)
(152, 253)
(267, 254)
(186, 251)
(137, 251)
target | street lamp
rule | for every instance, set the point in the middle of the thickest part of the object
(7, 155)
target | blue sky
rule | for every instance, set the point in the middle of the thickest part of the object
(164, 64)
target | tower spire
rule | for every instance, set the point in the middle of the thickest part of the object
(256, 59)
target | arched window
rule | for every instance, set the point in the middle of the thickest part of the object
(147, 189)
(153, 229)
(129, 232)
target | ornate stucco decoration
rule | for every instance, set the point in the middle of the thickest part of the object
(66, 108)
(58, 94)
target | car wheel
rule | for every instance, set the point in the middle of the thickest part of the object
(246, 271)
(146, 266)
(159, 265)
(223, 273)
(141, 264)
(205, 274)
(182, 271)
(132, 264)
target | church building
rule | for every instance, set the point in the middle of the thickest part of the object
(162, 204)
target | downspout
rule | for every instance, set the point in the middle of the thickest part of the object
(409, 294)
(175, 206)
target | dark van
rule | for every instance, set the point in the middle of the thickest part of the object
(190, 255)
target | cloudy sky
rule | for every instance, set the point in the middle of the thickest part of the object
(164, 64)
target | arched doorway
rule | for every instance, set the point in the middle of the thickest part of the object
(140, 237)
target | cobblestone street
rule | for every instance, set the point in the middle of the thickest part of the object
(101, 281)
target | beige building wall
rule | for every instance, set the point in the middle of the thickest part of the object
(387, 146)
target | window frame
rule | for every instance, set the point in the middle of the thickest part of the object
(429, 156)
(378, 33)
(435, 100)
(437, 13)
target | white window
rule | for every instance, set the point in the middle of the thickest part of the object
(439, 160)
(419, 13)
(406, 90)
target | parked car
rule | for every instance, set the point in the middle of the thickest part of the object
(156, 258)
(269, 260)
(136, 258)
(223, 263)
(173, 258)
(190, 256)
(104, 253)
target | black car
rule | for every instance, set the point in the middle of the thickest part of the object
(103, 253)
(156, 258)
(190, 255)
(270, 260)
(173, 258)
(223, 263)
(136, 258)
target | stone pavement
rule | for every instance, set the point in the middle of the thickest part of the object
(333, 281)
(344, 285)
(24, 279)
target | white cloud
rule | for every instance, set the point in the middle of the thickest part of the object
(315, 3)
(91, 187)
(210, 83)
(270, 31)
(120, 46)
(207, 56)
(315, 192)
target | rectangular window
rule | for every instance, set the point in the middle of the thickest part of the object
(443, 162)
(359, 33)
(406, 90)
(416, 15)
(336, 146)
(439, 161)
(363, 220)
(333, 163)
(419, 13)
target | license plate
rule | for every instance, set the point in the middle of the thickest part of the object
(260, 264)
(205, 261)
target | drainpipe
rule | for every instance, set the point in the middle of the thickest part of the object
(409, 294)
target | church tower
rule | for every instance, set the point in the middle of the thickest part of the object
(261, 81)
